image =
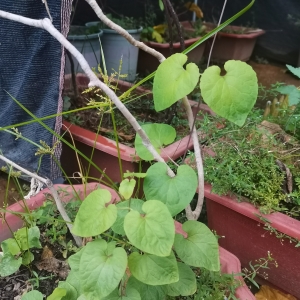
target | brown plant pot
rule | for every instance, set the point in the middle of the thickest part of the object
(105, 150)
(245, 236)
(229, 263)
(148, 63)
(231, 45)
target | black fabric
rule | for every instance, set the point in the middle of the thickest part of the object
(30, 66)
(282, 39)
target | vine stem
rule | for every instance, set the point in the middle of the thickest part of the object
(54, 193)
(94, 80)
(191, 215)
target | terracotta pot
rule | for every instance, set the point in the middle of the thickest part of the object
(246, 238)
(67, 193)
(231, 45)
(105, 150)
(229, 263)
(148, 63)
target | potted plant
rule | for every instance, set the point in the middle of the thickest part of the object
(233, 42)
(119, 55)
(254, 203)
(159, 38)
(148, 226)
(39, 206)
(87, 41)
(105, 149)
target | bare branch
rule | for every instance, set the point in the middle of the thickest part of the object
(94, 5)
(94, 80)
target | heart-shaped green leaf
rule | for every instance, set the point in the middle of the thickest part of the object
(152, 269)
(101, 269)
(152, 232)
(127, 187)
(186, 285)
(28, 238)
(176, 192)
(71, 292)
(135, 204)
(172, 82)
(9, 264)
(33, 295)
(159, 135)
(57, 294)
(10, 246)
(93, 216)
(149, 292)
(233, 95)
(295, 71)
(291, 91)
(200, 248)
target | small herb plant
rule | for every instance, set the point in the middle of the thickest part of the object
(16, 251)
(134, 249)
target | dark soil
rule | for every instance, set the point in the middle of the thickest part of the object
(49, 265)
(141, 107)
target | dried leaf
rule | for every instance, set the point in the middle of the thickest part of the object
(267, 292)
(195, 8)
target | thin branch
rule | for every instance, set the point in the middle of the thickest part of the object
(94, 80)
(123, 32)
(53, 191)
(192, 215)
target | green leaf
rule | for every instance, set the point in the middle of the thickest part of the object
(233, 95)
(187, 284)
(9, 264)
(172, 82)
(100, 272)
(132, 174)
(74, 280)
(291, 91)
(27, 258)
(135, 204)
(127, 187)
(130, 294)
(93, 216)
(159, 135)
(28, 238)
(33, 295)
(152, 269)
(71, 292)
(10, 246)
(149, 292)
(200, 248)
(57, 294)
(295, 71)
(74, 260)
(176, 192)
(161, 5)
(153, 232)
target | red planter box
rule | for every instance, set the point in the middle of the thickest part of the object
(246, 238)
(66, 193)
(231, 45)
(146, 62)
(105, 150)
(229, 263)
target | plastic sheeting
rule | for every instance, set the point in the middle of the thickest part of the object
(31, 70)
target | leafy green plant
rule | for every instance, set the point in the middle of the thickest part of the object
(134, 248)
(16, 251)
